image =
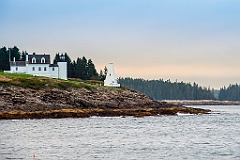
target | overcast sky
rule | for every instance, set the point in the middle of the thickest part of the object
(185, 40)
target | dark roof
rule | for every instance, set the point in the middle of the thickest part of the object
(38, 58)
(53, 65)
(18, 63)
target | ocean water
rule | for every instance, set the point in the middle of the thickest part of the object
(212, 136)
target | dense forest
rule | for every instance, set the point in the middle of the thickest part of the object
(231, 93)
(162, 90)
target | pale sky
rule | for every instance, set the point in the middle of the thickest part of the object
(188, 40)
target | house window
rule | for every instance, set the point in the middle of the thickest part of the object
(53, 69)
(42, 60)
(39, 68)
(16, 68)
(33, 60)
(33, 68)
(45, 68)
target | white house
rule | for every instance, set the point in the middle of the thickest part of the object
(111, 79)
(39, 65)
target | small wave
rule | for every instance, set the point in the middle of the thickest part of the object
(184, 114)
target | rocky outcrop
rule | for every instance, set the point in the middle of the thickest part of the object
(23, 99)
(82, 113)
(19, 102)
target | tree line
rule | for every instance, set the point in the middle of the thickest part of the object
(167, 90)
(230, 93)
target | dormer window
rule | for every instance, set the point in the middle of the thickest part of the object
(33, 60)
(42, 60)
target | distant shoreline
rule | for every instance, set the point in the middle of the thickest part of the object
(201, 102)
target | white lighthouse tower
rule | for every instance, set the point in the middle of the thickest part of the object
(111, 79)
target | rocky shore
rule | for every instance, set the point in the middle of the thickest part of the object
(51, 101)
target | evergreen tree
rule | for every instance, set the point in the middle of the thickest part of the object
(91, 70)
(14, 53)
(4, 59)
(73, 65)
(84, 74)
(81, 68)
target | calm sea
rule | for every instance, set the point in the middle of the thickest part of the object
(213, 136)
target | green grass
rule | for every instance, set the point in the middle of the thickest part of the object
(16, 75)
(37, 82)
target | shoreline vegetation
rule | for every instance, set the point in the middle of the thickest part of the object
(29, 97)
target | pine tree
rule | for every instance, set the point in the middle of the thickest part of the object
(14, 52)
(4, 63)
(81, 68)
(91, 70)
(4, 59)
